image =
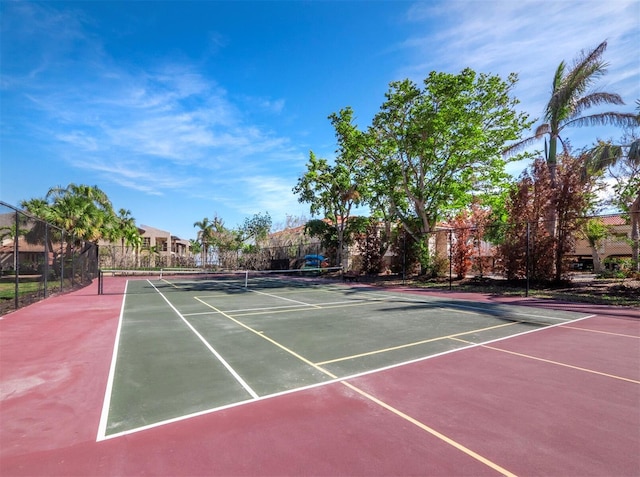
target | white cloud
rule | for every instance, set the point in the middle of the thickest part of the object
(524, 37)
(529, 38)
(271, 194)
(178, 117)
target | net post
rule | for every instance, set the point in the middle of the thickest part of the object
(100, 291)
(246, 279)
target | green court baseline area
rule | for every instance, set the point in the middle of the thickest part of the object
(187, 346)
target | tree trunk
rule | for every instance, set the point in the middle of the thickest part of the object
(339, 252)
(551, 219)
(597, 264)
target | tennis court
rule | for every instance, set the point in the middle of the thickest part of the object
(290, 375)
(190, 344)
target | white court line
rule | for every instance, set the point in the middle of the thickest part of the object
(102, 427)
(209, 347)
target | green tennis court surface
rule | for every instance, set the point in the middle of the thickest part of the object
(189, 346)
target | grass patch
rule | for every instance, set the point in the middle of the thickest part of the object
(27, 286)
(8, 289)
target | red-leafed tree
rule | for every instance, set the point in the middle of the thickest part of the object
(526, 232)
(462, 244)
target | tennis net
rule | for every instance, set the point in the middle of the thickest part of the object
(202, 280)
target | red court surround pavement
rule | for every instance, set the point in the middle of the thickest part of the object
(54, 367)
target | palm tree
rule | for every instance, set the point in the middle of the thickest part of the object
(196, 248)
(123, 227)
(126, 226)
(39, 230)
(85, 211)
(14, 232)
(134, 239)
(205, 237)
(570, 98)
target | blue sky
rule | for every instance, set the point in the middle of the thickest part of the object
(185, 110)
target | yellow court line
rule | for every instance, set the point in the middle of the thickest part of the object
(557, 363)
(272, 341)
(431, 431)
(169, 283)
(408, 345)
(386, 406)
(598, 331)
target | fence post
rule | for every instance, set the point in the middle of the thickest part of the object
(61, 259)
(73, 260)
(16, 261)
(404, 256)
(526, 293)
(45, 265)
(450, 259)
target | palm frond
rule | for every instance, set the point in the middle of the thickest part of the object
(569, 88)
(514, 148)
(601, 156)
(596, 99)
(542, 130)
(579, 80)
(558, 77)
(609, 118)
(588, 63)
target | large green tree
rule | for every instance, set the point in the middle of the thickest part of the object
(333, 190)
(438, 146)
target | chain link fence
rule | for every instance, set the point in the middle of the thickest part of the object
(38, 259)
(288, 257)
(123, 257)
(603, 246)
